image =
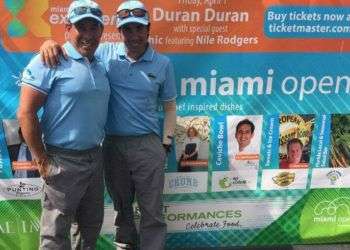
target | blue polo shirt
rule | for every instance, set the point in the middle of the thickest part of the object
(136, 89)
(75, 110)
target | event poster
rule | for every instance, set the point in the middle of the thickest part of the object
(261, 149)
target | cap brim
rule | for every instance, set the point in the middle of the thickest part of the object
(87, 15)
(132, 20)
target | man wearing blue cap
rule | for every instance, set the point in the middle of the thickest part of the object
(66, 142)
(140, 78)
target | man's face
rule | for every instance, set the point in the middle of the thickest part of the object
(135, 37)
(294, 153)
(85, 36)
(191, 132)
(244, 135)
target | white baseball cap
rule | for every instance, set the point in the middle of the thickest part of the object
(80, 9)
(129, 6)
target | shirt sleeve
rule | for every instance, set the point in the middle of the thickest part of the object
(106, 51)
(102, 50)
(37, 76)
(168, 88)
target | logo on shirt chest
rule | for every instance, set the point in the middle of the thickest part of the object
(151, 76)
(27, 74)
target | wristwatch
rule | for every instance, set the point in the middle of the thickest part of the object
(167, 147)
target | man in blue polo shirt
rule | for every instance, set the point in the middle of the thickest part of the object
(140, 79)
(66, 142)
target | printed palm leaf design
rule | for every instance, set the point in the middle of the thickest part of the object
(340, 141)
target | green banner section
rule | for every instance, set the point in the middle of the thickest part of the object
(321, 216)
(19, 224)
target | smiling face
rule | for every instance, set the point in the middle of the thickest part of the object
(244, 136)
(191, 132)
(85, 36)
(294, 153)
(135, 38)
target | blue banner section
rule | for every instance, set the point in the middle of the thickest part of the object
(320, 150)
(262, 83)
(269, 147)
(11, 65)
(307, 22)
(219, 144)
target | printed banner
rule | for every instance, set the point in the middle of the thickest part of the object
(261, 152)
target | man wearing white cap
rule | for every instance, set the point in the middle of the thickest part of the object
(66, 142)
(134, 148)
(140, 78)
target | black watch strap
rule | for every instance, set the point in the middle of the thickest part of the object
(167, 148)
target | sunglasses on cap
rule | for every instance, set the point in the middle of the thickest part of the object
(84, 10)
(134, 12)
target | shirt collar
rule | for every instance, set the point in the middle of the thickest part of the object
(147, 56)
(71, 51)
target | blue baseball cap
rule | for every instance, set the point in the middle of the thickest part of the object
(80, 9)
(131, 5)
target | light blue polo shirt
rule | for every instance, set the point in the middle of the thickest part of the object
(136, 89)
(75, 110)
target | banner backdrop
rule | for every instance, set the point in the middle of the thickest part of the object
(263, 110)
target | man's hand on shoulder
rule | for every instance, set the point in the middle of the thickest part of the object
(50, 52)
